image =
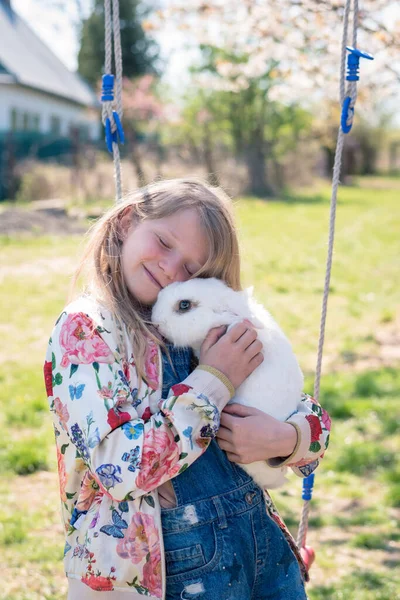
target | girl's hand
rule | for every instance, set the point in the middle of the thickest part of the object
(248, 434)
(235, 353)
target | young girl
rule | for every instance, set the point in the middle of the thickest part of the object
(153, 501)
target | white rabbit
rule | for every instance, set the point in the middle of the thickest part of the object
(186, 311)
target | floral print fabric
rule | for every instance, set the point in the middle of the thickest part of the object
(116, 443)
(112, 451)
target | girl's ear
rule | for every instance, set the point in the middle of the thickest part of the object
(125, 222)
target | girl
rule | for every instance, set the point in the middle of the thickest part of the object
(153, 501)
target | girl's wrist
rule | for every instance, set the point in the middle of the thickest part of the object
(289, 440)
(221, 376)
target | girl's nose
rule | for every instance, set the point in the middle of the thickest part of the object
(172, 267)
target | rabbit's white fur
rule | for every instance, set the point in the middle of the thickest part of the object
(274, 387)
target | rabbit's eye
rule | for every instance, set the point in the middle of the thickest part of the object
(185, 305)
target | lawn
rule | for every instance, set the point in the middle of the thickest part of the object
(356, 511)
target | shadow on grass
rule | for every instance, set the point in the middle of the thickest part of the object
(290, 197)
(307, 198)
(302, 198)
(335, 542)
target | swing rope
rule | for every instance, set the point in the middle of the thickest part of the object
(112, 109)
(347, 100)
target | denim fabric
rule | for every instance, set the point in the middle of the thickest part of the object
(182, 359)
(219, 541)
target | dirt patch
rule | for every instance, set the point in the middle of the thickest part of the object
(340, 559)
(39, 267)
(47, 217)
(384, 352)
(388, 339)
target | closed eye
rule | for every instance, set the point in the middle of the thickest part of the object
(163, 243)
(167, 247)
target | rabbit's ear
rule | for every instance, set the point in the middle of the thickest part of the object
(249, 291)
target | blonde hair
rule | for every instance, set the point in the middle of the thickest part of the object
(101, 260)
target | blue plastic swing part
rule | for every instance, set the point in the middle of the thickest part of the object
(353, 62)
(308, 484)
(107, 95)
(107, 90)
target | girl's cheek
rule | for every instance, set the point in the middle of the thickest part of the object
(153, 249)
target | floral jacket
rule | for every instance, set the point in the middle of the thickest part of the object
(116, 445)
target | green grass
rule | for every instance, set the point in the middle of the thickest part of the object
(371, 516)
(371, 541)
(360, 585)
(27, 455)
(360, 458)
(356, 506)
(285, 249)
(14, 528)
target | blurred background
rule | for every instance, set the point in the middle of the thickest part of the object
(245, 95)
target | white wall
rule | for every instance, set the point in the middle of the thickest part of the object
(46, 107)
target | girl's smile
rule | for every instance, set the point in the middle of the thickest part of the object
(153, 279)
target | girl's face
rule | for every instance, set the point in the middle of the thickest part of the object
(157, 252)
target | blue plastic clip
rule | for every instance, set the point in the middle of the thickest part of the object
(308, 484)
(345, 115)
(107, 95)
(112, 136)
(353, 61)
(107, 91)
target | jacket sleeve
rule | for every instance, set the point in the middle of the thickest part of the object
(91, 400)
(313, 425)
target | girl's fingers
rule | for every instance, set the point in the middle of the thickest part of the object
(237, 331)
(254, 348)
(248, 338)
(213, 336)
(256, 361)
(240, 410)
(224, 445)
(227, 421)
(224, 434)
(233, 457)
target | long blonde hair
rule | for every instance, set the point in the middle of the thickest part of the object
(101, 260)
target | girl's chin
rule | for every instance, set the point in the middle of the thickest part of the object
(145, 298)
(144, 292)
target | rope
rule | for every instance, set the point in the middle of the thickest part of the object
(117, 57)
(108, 36)
(303, 527)
(352, 92)
(342, 82)
(113, 33)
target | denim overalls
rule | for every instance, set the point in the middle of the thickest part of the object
(220, 542)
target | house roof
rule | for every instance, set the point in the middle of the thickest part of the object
(26, 60)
